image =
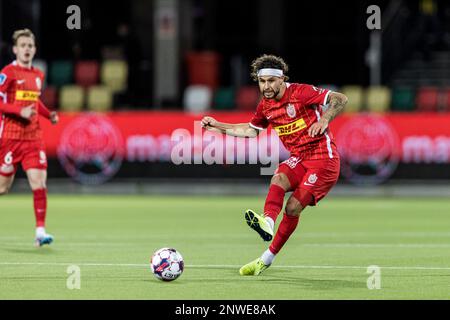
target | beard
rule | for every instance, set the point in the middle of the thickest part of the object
(273, 92)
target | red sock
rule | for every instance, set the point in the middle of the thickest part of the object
(274, 202)
(285, 229)
(40, 206)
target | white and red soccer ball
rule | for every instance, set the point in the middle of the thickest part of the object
(167, 264)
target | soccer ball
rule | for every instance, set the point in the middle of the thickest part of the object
(167, 264)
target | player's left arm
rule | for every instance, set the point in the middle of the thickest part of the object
(42, 108)
(336, 102)
(45, 112)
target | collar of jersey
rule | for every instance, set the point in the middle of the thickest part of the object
(14, 63)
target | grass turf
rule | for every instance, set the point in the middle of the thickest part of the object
(111, 239)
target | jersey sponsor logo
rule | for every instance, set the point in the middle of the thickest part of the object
(3, 78)
(290, 110)
(291, 127)
(23, 95)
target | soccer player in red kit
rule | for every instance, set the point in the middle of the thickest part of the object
(20, 132)
(295, 112)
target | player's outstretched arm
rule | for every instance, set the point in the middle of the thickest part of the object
(336, 103)
(242, 130)
(25, 112)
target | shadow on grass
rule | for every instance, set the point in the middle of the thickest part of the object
(290, 278)
(276, 277)
(316, 284)
(27, 250)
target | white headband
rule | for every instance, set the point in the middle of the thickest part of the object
(270, 72)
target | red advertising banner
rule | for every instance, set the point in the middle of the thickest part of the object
(371, 145)
(422, 137)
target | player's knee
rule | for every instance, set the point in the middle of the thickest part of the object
(293, 207)
(36, 184)
(303, 197)
(3, 190)
(280, 179)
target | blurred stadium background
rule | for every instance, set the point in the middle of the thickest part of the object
(138, 70)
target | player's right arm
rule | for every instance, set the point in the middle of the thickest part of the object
(10, 108)
(251, 129)
(242, 130)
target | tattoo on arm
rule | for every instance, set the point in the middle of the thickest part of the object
(336, 104)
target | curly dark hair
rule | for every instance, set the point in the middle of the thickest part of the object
(268, 61)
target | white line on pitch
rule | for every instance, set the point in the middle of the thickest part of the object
(320, 245)
(218, 266)
(238, 236)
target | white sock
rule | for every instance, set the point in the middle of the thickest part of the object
(267, 257)
(40, 231)
(270, 222)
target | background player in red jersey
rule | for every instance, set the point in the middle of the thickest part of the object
(295, 112)
(20, 132)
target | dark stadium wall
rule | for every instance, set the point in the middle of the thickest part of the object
(323, 42)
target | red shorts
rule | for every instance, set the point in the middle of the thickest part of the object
(29, 153)
(314, 176)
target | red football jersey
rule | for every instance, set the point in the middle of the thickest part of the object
(298, 109)
(20, 87)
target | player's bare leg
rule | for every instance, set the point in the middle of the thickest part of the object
(5, 184)
(287, 226)
(264, 224)
(37, 179)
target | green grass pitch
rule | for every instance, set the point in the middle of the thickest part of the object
(111, 239)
